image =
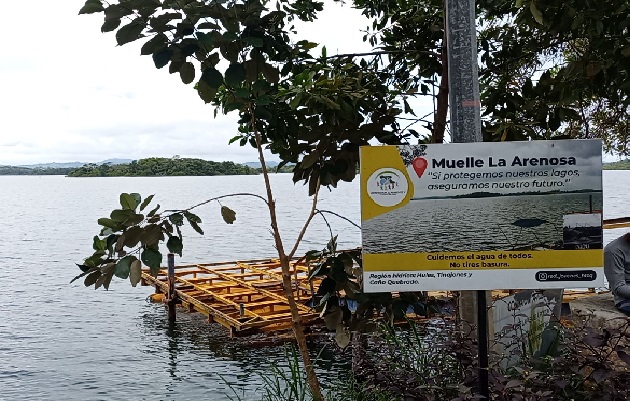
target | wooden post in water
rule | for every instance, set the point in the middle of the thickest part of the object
(171, 302)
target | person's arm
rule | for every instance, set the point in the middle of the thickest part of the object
(614, 267)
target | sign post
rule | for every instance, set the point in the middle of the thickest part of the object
(463, 81)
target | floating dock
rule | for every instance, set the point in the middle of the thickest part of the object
(246, 297)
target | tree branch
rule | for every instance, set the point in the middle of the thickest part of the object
(311, 214)
(220, 197)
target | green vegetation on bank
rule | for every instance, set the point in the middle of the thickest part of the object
(15, 170)
(161, 166)
(620, 165)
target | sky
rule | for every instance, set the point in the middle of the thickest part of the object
(69, 93)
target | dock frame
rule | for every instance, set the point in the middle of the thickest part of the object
(246, 297)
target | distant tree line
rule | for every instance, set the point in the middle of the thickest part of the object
(14, 170)
(160, 166)
(620, 165)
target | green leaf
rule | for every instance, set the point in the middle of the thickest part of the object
(536, 12)
(121, 215)
(206, 92)
(91, 7)
(132, 236)
(128, 201)
(135, 272)
(105, 279)
(99, 244)
(85, 273)
(271, 73)
(152, 235)
(123, 266)
(212, 77)
(151, 258)
(110, 24)
(242, 93)
(187, 72)
(146, 202)
(256, 42)
(229, 215)
(155, 209)
(235, 74)
(90, 280)
(109, 223)
(177, 219)
(191, 216)
(196, 227)
(208, 25)
(175, 245)
(162, 58)
(155, 44)
(130, 32)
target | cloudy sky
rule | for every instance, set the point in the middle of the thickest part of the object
(68, 93)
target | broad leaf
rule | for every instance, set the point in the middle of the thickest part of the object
(128, 201)
(229, 215)
(187, 72)
(195, 226)
(212, 77)
(177, 219)
(155, 44)
(92, 6)
(135, 272)
(90, 280)
(146, 202)
(175, 245)
(535, 12)
(123, 266)
(235, 74)
(153, 259)
(130, 32)
(162, 58)
(109, 223)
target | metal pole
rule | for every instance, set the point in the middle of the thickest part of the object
(465, 106)
(482, 331)
(463, 79)
(171, 304)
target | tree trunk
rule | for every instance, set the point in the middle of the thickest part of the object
(298, 329)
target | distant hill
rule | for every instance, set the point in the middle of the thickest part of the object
(74, 164)
(258, 165)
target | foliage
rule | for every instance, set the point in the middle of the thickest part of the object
(314, 112)
(429, 363)
(129, 238)
(160, 166)
(15, 170)
(547, 69)
(340, 272)
(618, 165)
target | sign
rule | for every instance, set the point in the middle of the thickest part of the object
(481, 216)
(522, 325)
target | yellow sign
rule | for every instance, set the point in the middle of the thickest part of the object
(482, 216)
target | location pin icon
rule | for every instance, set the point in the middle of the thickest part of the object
(420, 164)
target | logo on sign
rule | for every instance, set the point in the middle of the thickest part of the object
(387, 187)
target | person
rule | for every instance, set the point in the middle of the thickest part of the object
(617, 271)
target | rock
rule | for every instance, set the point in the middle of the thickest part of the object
(598, 311)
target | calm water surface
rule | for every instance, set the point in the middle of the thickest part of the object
(61, 341)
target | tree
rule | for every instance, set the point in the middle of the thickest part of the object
(547, 69)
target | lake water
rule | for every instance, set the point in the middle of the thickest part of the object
(474, 224)
(65, 341)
